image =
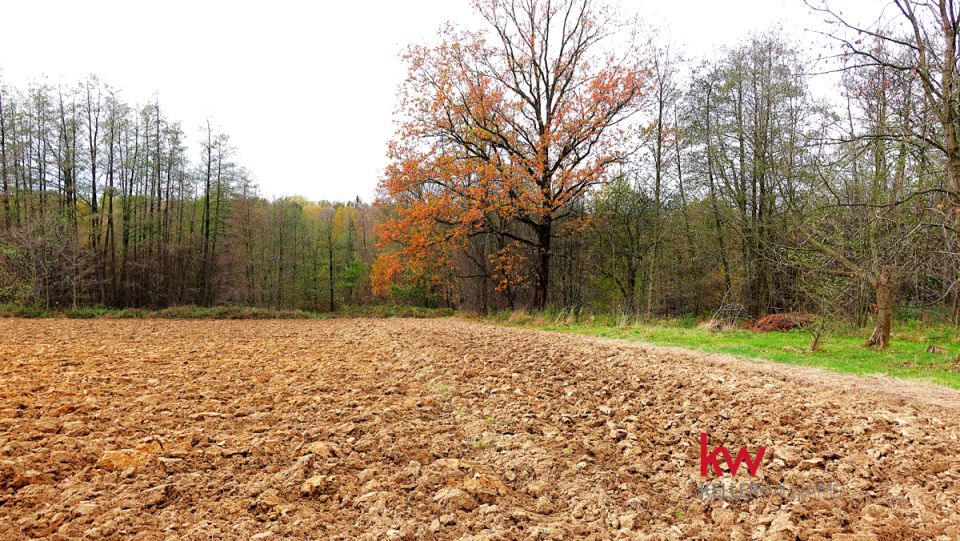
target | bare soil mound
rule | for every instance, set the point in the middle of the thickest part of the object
(443, 429)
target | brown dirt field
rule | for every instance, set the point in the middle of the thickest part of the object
(444, 429)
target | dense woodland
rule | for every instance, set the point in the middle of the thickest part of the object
(103, 206)
(562, 156)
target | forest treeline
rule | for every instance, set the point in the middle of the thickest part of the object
(546, 161)
(104, 206)
(539, 162)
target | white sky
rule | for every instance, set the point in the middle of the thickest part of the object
(304, 89)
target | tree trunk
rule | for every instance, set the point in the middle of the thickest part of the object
(630, 292)
(956, 307)
(880, 339)
(653, 258)
(333, 306)
(3, 166)
(204, 274)
(544, 236)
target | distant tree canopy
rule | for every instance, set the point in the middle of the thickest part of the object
(556, 157)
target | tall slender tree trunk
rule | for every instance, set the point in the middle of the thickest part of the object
(685, 214)
(330, 263)
(316, 272)
(19, 160)
(280, 266)
(654, 257)
(4, 173)
(717, 222)
(204, 274)
(109, 242)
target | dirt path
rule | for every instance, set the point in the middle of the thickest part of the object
(446, 429)
(891, 388)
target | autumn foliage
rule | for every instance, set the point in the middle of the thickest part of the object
(502, 131)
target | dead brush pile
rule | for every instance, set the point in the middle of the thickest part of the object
(782, 322)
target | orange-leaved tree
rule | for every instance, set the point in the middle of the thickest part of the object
(501, 130)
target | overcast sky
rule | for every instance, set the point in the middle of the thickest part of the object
(304, 89)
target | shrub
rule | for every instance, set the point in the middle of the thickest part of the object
(86, 313)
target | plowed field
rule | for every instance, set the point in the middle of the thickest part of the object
(447, 429)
